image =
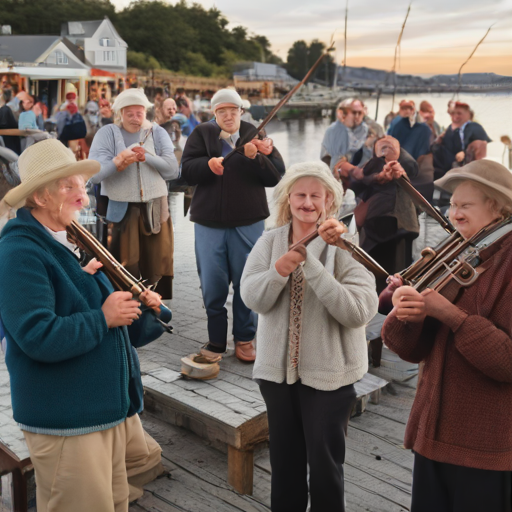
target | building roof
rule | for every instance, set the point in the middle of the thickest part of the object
(79, 29)
(25, 48)
(75, 50)
(263, 71)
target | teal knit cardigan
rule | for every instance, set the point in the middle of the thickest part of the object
(69, 373)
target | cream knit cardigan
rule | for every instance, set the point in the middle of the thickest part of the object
(339, 299)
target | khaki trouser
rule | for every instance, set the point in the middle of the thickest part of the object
(90, 472)
(143, 458)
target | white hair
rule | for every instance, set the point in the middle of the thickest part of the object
(317, 170)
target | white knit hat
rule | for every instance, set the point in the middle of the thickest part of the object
(225, 97)
(131, 97)
(294, 173)
(42, 163)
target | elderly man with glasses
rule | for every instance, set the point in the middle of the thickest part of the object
(358, 132)
(229, 207)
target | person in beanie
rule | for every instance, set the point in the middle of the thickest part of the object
(137, 157)
(229, 207)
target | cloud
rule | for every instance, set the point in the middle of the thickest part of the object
(443, 31)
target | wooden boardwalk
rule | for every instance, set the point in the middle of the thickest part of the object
(378, 470)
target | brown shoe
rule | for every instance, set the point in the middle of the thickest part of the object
(244, 351)
(207, 357)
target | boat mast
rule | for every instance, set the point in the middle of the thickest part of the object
(397, 49)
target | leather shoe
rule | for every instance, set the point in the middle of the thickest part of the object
(207, 357)
(244, 351)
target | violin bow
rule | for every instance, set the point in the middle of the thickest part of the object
(248, 137)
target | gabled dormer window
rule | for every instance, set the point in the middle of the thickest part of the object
(61, 58)
(105, 41)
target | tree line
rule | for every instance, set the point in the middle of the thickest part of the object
(182, 37)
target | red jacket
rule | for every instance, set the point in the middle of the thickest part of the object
(462, 413)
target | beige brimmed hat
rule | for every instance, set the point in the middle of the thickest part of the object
(487, 172)
(131, 97)
(42, 163)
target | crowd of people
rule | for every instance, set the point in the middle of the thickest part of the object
(70, 339)
(366, 162)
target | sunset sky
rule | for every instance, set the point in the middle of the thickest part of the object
(438, 38)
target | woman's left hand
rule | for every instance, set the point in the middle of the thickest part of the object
(438, 306)
(151, 299)
(331, 230)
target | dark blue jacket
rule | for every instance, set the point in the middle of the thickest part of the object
(415, 140)
(67, 369)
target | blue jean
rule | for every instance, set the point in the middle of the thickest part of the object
(221, 254)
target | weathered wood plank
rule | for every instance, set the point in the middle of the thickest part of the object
(395, 403)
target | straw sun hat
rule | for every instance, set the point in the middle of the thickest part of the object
(42, 163)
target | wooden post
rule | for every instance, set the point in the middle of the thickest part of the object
(59, 93)
(19, 486)
(240, 469)
(82, 92)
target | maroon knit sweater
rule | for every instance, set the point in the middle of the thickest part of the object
(462, 413)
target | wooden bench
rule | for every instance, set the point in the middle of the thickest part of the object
(229, 410)
(15, 464)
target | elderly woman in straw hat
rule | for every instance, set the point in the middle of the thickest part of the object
(460, 426)
(313, 304)
(68, 355)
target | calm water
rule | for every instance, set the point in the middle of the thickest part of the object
(300, 140)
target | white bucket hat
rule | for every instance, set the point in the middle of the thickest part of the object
(42, 163)
(131, 97)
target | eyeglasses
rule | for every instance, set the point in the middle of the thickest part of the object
(222, 112)
(358, 112)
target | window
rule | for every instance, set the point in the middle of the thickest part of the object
(61, 58)
(105, 41)
(109, 56)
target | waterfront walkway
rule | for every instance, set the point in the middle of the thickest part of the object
(378, 470)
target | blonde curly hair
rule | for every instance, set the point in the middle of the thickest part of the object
(317, 170)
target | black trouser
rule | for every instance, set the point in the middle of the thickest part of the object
(307, 427)
(442, 487)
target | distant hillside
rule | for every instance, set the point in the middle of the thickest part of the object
(472, 78)
(364, 75)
